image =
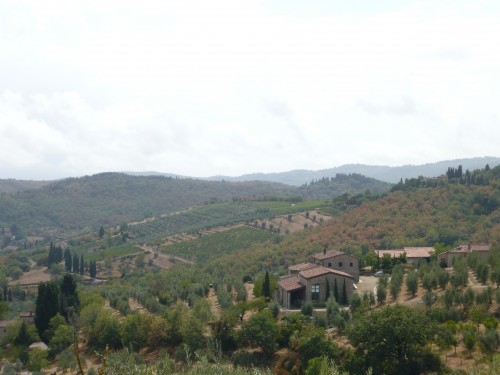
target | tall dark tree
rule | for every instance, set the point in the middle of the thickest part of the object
(266, 287)
(101, 232)
(47, 305)
(82, 265)
(76, 263)
(327, 294)
(344, 294)
(93, 269)
(69, 295)
(51, 258)
(336, 291)
(68, 260)
(23, 337)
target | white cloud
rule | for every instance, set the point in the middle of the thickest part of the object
(229, 87)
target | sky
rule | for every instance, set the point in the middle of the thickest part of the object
(228, 87)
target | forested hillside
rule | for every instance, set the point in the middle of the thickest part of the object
(113, 198)
(328, 188)
(443, 216)
(14, 186)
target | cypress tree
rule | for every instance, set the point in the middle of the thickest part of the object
(69, 295)
(58, 254)
(266, 287)
(101, 232)
(82, 265)
(47, 305)
(336, 291)
(76, 263)
(68, 260)
(327, 289)
(344, 294)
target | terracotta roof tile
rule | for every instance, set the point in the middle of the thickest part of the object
(411, 252)
(290, 283)
(318, 271)
(418, 252)
(328, 254)
(302, 266)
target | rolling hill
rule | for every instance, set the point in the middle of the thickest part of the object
(382, 173)
(113, 198)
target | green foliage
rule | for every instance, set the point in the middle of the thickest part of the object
(322, 366)
(47, 305)
(390, 339)
(312, 342)
(220, 243)
(352, 184)
(260, 330)
(70, 302)
(63, 337)
(37, 360)
(192, 331)
(76, 203)
(258, 289)
(307, 308)
(67, 360)
(135, 331)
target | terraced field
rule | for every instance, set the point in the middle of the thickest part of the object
(219, 243)
(191, 222)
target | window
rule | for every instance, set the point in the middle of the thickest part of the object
(340, 264)
(350, 264)
(315, 292)
(329, 264)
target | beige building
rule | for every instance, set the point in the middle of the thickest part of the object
(339, 261)
(413, 254)
(308, 283)
(463, 251)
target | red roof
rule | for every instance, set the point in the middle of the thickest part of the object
(392, 253)
(302, 267)
(473, 248)
(290, 283)
(330, 254)
(318, 271)
(411, 252)
(418, 252)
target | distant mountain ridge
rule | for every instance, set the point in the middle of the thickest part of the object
(383, 173)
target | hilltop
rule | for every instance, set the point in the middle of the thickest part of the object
(109, 199)
(382, 173)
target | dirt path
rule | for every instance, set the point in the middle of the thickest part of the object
(114, 312)
(164, 260)
(214, 304)
(249, 289)
(136, 306)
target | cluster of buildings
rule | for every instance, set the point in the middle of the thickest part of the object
(315, 280)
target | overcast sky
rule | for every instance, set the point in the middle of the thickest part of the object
(230, 87)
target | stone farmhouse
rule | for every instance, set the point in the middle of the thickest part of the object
(463, 251)
(310, 282)
(339, 261)
(413, 254)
